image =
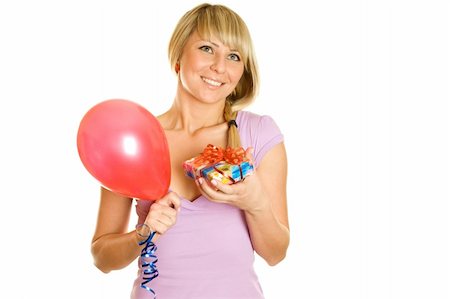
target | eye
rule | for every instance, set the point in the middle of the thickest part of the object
(234, 57)
(207, 49)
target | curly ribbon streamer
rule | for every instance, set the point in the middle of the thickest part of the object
(149, 267)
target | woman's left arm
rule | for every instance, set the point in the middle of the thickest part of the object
(268, 223)
(262, 197)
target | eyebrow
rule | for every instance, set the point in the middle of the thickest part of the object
(216, 45)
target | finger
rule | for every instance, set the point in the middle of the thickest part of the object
(169, 212)
(205, 185)
(166, 220)
(222, 187)
(175, 200)
(249, 154)
(171, 200)
(158, 209)
(158, 226)
(158, 218)
(212, 194)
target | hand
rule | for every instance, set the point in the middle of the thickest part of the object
(163, 213)
(248, 195)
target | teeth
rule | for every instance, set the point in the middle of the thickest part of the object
(212, 82)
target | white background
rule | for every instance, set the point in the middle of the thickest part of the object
(359, 88)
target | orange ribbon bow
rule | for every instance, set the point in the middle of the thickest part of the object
(213, 154)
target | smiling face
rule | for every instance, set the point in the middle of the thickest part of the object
(209, 70)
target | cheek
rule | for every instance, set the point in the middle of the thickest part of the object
(187, 62)
(195, 61)
(237, 74)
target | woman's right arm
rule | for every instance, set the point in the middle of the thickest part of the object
(112, 246)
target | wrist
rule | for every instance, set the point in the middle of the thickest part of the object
(259, 211)
(143, 232)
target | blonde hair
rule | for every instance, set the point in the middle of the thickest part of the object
(223, 23)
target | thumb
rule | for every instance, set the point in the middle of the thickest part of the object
(249, 154)
(171, 200)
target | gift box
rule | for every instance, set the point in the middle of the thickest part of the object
(228, 166)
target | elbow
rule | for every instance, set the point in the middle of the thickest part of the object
(277, 256)
(275, 260)
(101, 267)
(95, 251)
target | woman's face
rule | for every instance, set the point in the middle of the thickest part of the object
(209, 70)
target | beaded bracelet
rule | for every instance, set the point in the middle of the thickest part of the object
(141, 225)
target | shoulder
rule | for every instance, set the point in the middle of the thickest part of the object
(258, 131)
(252, 121)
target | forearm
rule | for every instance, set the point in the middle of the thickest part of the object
(270, 238)
(116, 251)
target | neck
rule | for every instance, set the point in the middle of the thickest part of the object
(190, 115)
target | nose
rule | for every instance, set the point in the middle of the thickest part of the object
(218, 65)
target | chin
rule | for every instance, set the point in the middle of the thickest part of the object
(211, 99)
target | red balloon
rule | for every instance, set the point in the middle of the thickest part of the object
(124, 147)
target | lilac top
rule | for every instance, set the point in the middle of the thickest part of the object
(208, 254)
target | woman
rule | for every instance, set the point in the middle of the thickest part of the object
(206, 232)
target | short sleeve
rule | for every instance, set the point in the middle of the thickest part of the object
(259, 132)
(268, 136)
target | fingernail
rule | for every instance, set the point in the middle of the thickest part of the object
(200, 181)
(214, 182)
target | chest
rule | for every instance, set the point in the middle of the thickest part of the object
(182, 148)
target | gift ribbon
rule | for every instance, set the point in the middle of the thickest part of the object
(229, 177)
(234, 156)
(149, 267)
(213, 154)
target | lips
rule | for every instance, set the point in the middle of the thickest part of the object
(212, 82)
